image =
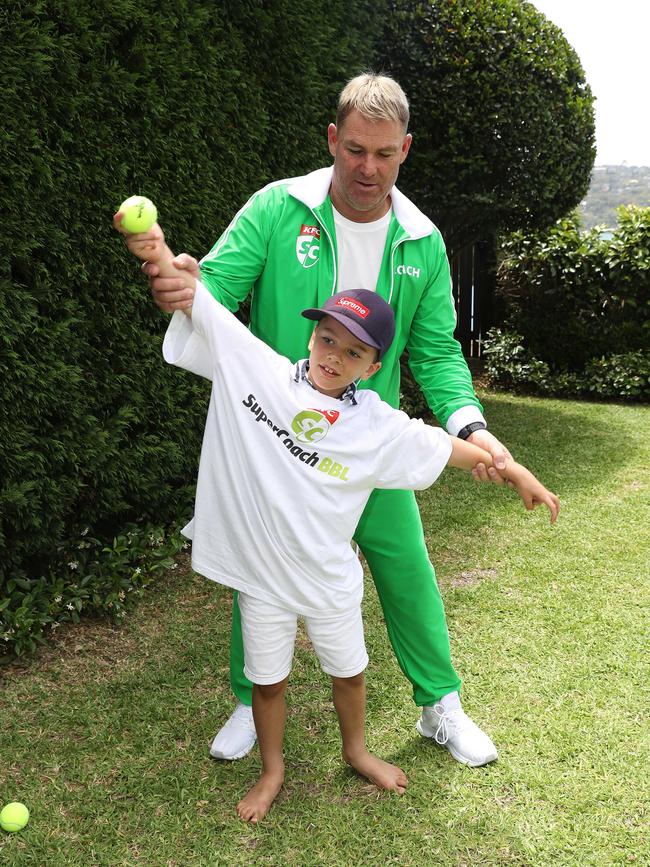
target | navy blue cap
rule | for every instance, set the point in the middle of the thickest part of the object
(362, 312)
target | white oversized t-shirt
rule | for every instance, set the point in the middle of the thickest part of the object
(286, 472)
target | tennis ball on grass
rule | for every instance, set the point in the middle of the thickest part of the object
(139, 214)
(14, 817)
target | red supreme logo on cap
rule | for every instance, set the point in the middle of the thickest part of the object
(352, 304)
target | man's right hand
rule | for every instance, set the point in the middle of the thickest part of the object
(172, 293)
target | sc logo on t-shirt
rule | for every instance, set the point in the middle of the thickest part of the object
(311, 425)
(308, 245)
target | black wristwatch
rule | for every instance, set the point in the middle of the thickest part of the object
(469, 429)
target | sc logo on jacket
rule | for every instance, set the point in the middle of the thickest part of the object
(308, 245)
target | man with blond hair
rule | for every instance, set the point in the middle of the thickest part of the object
(295, 243)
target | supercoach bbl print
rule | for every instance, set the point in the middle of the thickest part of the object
(325, 464)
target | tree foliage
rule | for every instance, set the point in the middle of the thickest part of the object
(502, 117)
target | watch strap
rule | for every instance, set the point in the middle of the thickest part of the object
(469, 429)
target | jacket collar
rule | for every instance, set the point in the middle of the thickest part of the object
(313, 189)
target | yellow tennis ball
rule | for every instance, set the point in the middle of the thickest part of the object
(14, 817)
(139, 214)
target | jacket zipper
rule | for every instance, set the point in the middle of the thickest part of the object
(329, 238)
(392, 266)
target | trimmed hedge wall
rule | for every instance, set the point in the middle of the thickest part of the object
(195, 104)
(502, 116)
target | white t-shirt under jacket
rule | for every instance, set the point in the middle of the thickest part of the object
(286, 472)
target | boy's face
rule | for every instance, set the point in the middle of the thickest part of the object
(337, 358)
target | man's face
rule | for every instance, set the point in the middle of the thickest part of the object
(338, 358)
(367, 156)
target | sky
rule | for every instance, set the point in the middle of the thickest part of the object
(611, 40)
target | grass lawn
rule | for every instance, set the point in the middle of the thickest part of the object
(105, 735)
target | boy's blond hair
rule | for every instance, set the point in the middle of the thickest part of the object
(376, 97)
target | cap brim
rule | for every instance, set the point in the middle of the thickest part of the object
(313, 313)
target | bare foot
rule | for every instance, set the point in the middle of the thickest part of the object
(381, 773)
(257, 801)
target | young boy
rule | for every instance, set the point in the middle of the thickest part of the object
(290, 455)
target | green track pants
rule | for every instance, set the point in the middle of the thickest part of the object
(392, 540)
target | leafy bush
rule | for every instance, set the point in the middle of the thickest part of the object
(577, 310)
(622, 376)
(92, 578)
(510, 365)
(574, 295)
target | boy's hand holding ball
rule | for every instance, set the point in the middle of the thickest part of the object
(136, 220)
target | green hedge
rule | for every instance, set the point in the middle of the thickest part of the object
(577, 311)
(194, 104)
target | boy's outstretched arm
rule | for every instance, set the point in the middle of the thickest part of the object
(465, 456)
(150, 246)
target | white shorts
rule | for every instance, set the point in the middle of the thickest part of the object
(269, 634)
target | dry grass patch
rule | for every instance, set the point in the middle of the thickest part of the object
(472, 577)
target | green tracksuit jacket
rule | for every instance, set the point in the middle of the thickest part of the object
(282, 245)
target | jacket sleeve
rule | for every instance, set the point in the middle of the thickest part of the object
(435, 356)
(231, 268)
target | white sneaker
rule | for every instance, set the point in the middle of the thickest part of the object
(448, 724)
(237, 736)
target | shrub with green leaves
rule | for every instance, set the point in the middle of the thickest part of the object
(93, 578)
(510, 365)
(577, 312)
(575, 295)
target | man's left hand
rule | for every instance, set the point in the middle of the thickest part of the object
(485, 440)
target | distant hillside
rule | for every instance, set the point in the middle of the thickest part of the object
(612, 186)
